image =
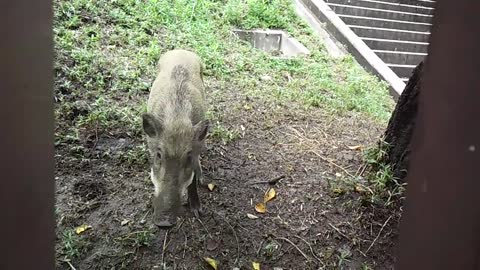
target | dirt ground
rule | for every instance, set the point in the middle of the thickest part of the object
(314, 222)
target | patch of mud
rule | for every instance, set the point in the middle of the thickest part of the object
(309, 225)
(89, 189)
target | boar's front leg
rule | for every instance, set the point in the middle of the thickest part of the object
(193, 197)
(199, 173)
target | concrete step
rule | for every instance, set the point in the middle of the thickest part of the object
(399, 57)
(423, 3)
(385, 33)
(402, 71)
(379, 13)
(383, 23)
(396, 45)
(379, 4)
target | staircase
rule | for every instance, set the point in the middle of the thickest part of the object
(396, 31)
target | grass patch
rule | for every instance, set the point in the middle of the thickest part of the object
(224, 134)
(383, 185)
(377, 185)
(72, 245)
(136, 239)
(106, 52)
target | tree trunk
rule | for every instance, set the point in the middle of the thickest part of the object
(400, 127)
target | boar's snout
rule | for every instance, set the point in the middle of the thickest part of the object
(164, 220)
(166, 206)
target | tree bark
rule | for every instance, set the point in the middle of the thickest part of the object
(396, 139)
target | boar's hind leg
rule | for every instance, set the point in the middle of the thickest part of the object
(193, 198)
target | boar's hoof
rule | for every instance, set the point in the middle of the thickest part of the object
(198, 212)
(165, 221)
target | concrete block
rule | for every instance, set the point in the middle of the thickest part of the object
(271, 41)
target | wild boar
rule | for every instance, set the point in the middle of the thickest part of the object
(175, 128)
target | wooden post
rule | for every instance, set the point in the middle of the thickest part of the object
(26, 136)
(441, 222)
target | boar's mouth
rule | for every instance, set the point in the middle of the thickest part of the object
(165, 220)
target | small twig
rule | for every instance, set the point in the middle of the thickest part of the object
(361, 169)
(164, 248)
(378, 235)
(311, 249)
(128, 235)
(185, 244)
(260, 247)
(179, 226)
(145, 216)
(236, 237)
(271, 181)
(331, 162)
(293, 244)
(96, 140)
(205, 228)
(338, 231)
(69, 264)
(363, 254)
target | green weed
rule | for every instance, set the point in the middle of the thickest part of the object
(224, 134)
(72, 245)
(136, 239)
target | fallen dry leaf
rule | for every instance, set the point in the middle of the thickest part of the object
(124, 222)
(356, 147)
(250, 216)
(211, 186)
(211, 262)
(359, 189)
(269, 195)
(256, 265)
(81, 229)
(261, 208)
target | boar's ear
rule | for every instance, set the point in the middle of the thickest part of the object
(201, 130)
(151, 126)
